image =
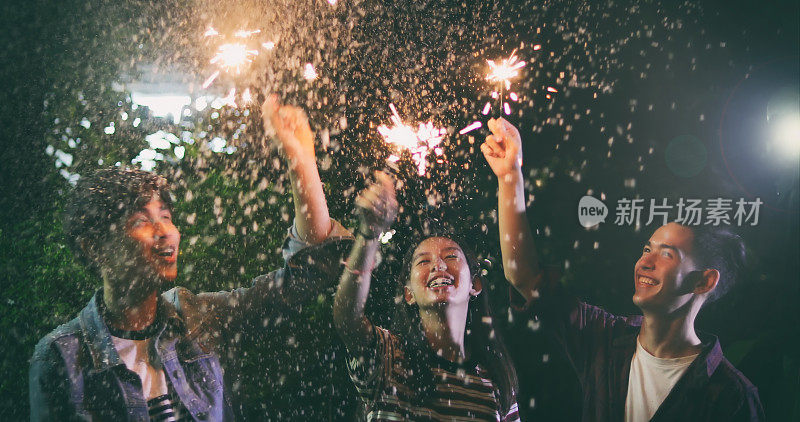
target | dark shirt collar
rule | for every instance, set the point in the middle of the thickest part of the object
(706, 363)
(97, 335)
(148, 332)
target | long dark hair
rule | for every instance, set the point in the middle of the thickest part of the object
(482, 340)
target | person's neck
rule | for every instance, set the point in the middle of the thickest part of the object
(444, 330)
(669, 336)
(129, 314)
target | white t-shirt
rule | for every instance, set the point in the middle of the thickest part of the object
(651, 379)
(136, 356)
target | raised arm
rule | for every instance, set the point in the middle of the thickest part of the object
(377, 209)
(503, 151)
(295, 141)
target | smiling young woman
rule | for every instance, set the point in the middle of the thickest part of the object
(441, 359)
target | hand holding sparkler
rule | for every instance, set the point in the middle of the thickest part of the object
(376, 206)
(289, 124)
(503, 148)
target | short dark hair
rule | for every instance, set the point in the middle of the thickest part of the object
(482, 337)
(721, 249)
(99, 203)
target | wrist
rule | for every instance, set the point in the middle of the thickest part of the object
(300, 161)
(510, 178)
(367, 234)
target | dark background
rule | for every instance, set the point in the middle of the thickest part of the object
(640, 73)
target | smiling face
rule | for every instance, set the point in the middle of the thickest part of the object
(664, 276)
(155, 239)
(439, 274)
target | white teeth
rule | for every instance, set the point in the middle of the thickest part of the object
(441, 281)
(647, 280)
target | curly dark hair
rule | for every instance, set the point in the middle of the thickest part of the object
(100, 203)
(482, 338)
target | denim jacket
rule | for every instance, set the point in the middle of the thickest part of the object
(77, 374)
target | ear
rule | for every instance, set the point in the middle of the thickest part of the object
(707, 281)
(409, 296)
(477, 286)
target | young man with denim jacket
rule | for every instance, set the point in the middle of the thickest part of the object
(134, 353)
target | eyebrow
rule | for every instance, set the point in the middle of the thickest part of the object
(665, 246)
(419, 254)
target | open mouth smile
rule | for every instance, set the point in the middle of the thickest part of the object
(166, 254)
(641, 279)
(440, 281)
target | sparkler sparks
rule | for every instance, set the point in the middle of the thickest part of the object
(210, 79)
(502, 73)
(309, 73)
(470, 128)
(505, 70)
(418, 142)
(233, 56)
(247, 97)
(243, 33)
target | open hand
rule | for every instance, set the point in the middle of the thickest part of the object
(503, 148)
(376, 206)
(290, 126)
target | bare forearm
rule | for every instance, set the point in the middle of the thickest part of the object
(310, 207)
(352, 293)
(520, 261)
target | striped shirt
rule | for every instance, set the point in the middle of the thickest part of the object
(165, 409)
(463, 392)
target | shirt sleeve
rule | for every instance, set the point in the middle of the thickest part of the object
(294, 244)
(579, 329)
(311, 270)
(370, 369)
(750, 409)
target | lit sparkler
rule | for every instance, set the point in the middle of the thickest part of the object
(232, 58)
(502, 73)
(416, 141)
(505, 70)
